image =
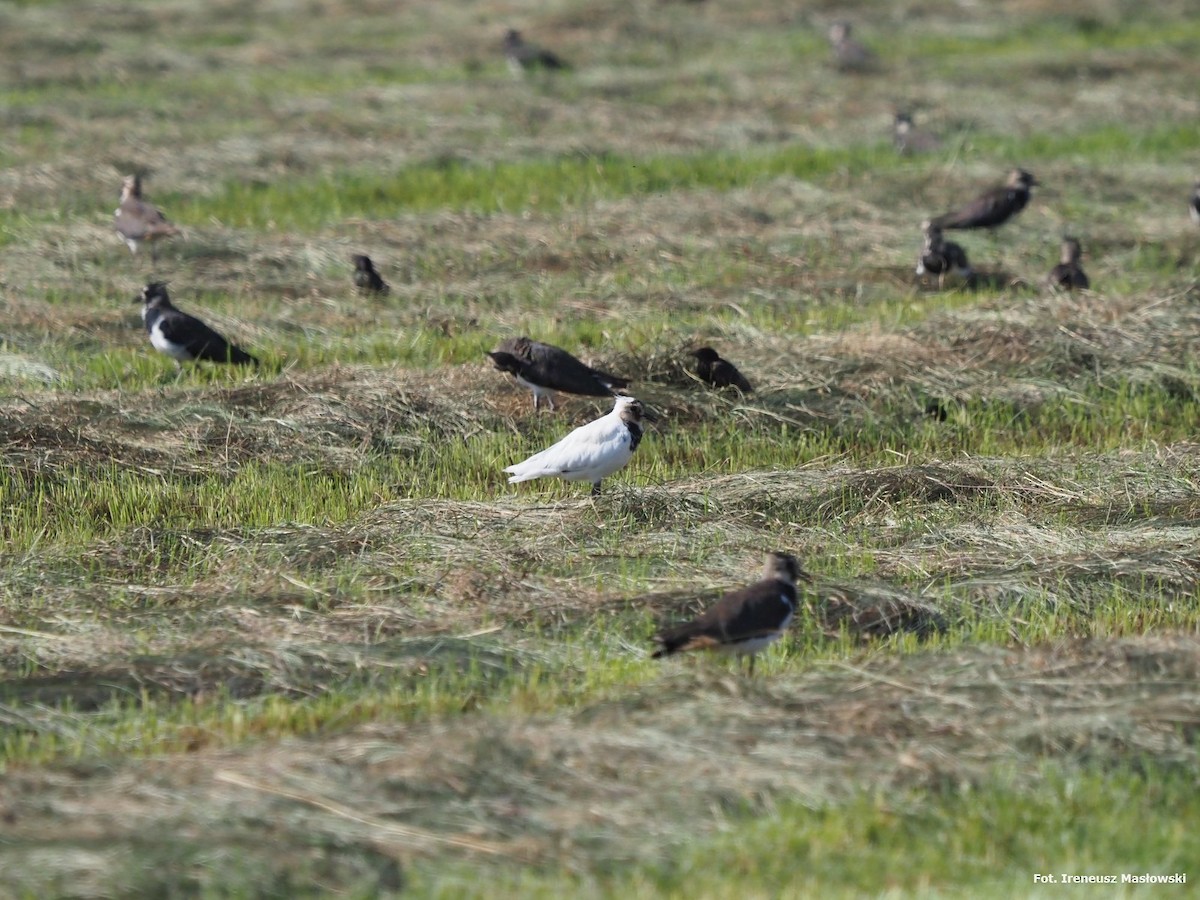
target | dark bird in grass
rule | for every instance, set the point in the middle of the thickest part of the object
(992, 208)
(1194, 204)
(523, 56)
(544, 368)
(848, 54)
(718, 372)
(182, 337)
(368, 280)
(908, 139)
(138, 221)
(1069, 273)
(941, 257)
(743, 621)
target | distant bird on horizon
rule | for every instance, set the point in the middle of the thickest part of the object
(1194, 204)
(544, 368)
(744, 621)
(941, 257)
(368, 280)
(523, 56)
(591, 452)
(1069, 274)
(718, 372)
(182, 337)
(994, 207)
(849, 55)
(138, 221)
(908, 139)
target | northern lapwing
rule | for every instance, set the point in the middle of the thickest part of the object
(849, 55)
(1194, 204)
(182, 337)
(366, 278)
(941, 257)
(1069, 273)
(591, 452)
(908, 139)
(992, 208)
(523, 56)
(138, 221)
(743, 621)
(544, 368)
(718, 372)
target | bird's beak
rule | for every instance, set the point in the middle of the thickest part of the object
(647, 414)
(801, 575)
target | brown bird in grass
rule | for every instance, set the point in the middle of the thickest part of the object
(368, 280)
(136, 220)
(992, 208)
(940, 256)
(523, 56)
(848, 54)
(1069, 273)
(743, 621)
(718, 372)
(1194, 205)
(908, 139)
(544, 368)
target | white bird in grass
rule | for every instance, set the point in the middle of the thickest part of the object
(591, 452)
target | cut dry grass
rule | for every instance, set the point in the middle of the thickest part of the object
(289, 632)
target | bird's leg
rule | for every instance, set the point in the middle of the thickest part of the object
(537, 401)
(596, 489)
(550, 401)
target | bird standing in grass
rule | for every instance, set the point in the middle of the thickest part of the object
(743, 621)
(182, 337)
(994, 207)
(524, 57)
(1069, 273)
(591, 452)
(849, 55)
(366, 278)
(544, 368)
(939, 256)
(907, 138)
(138, 221)
(718, 372)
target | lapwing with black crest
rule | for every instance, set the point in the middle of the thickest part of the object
(544, 368)
(138, 221)
(1069, 274)
(941, 257)
(994, 207)
(524, 56)
(744, 621)
(182, 337)
(366, 277)
(591, 452)
(718, 372)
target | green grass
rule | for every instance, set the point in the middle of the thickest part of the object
(297, 615)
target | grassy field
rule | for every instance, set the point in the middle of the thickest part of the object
(289, 632)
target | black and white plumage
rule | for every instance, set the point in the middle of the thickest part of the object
(849, 55)
(368, 280)
(941, 257)
(908, 139)
(718, 372)
(1069, 274)
(1194, 204)
(743, 621)
(138, 221)
(523, 56)
(992, 208)
(544, 368)
(591, 452)
(182, 337)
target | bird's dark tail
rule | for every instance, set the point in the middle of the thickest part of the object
(240, 357)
